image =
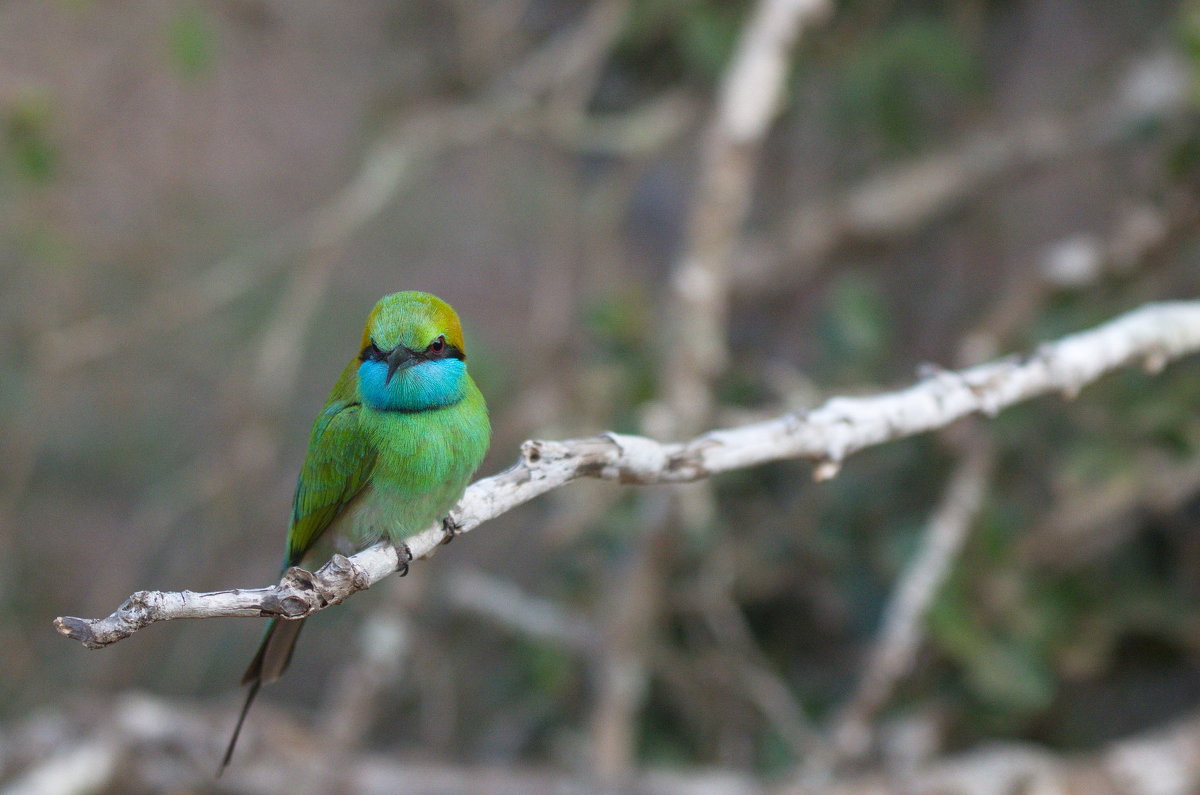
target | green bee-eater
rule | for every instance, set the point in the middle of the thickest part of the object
(389, 454)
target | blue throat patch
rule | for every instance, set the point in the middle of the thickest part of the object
(427, 385)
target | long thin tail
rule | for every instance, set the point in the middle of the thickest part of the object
(274, 655)
(237, 730)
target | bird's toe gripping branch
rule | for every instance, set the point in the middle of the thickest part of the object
(1153, 333)
(450, 529)
(404, 556)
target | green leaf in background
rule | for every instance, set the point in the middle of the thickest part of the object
(192, 42)
(1189, 35)
(548, 670)
(902, 74)
(28, 143)
(708, 34)
(855, 328)
(1012, 674)
(692, 38)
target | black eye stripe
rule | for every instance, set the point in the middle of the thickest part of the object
(372, 353)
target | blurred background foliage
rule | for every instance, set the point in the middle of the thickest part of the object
(165, 343)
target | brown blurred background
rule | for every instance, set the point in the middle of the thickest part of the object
(200, 201)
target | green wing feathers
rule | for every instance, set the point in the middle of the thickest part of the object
(339, 463)
(382, 463)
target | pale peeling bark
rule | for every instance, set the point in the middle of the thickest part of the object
(1151, 336)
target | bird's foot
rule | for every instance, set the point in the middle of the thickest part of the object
(404, 556)
(450, 528)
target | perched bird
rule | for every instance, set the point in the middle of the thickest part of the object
(389, 454)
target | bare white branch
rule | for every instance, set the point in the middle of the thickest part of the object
(751, 93)
(1152, 336)
(504, 602)
(1161, 761)
(164, 745)
(388, 165)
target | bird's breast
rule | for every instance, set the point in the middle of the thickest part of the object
(424, 460)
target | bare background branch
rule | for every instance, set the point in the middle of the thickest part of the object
(657, 218)
(1153, 336)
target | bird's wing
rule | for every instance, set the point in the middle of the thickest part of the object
(339, 463)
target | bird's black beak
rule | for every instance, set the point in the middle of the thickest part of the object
(400, 358)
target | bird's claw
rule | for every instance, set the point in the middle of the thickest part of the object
(450, 529)
(403, 556)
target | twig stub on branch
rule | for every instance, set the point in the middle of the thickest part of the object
(1151, 335)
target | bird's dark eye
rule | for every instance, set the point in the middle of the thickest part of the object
(371, 353)
(437, 347)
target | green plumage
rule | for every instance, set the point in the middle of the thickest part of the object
(399, 470)
(389, 454)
